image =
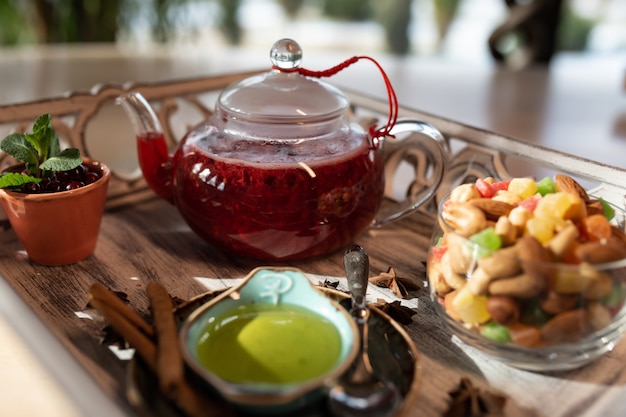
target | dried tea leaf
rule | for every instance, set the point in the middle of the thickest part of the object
(469, 401)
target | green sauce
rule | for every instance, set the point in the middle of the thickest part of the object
(269, 344)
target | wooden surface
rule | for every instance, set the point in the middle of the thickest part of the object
(149, 242)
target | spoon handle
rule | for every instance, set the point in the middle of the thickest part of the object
(356, 265)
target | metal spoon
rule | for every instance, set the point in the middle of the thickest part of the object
(361, 392)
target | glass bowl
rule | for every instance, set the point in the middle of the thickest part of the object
(530, 303)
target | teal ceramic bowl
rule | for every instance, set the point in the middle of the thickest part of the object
(272, 344)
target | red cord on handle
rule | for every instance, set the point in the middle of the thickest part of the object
(391, 94)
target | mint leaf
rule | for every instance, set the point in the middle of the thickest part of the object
(17, 145)
(63, 161)
(42, 136)
(14, 179)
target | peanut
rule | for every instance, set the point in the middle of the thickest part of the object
(503, 309)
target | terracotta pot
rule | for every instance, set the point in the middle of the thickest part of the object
(58, 228)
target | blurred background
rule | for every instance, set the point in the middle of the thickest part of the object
(455, 29)
(550, 72)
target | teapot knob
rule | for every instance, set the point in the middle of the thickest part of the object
(286, 54)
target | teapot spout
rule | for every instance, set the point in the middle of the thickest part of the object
(154, 158)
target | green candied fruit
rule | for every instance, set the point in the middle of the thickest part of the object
(488, 241)
(545, 186)
(616, 297)
(496, 332)
(609, 212)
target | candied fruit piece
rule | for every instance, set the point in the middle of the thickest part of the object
(501, 185)
(609, 212)
(437, 252)
(487, 240)
(545, 186)
(540, 228)
(485, 189)
(524, 187)
(530, 204)
(495, 332)
(554, 205)
(596, 227)
(471, 308)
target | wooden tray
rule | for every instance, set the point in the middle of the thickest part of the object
(144, 239)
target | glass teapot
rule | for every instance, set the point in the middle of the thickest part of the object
(279, 171)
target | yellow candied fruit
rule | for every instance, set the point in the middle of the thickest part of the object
(471, 308)
(541, 228)
(524, 187)
(555, 205)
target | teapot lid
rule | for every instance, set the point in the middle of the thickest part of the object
(283, 95)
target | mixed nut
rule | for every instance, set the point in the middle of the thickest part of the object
(535, 263)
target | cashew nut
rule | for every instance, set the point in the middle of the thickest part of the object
(507, 197)
(478, 282)
(519, 216)
(505, 229)
(436, 280)
(451, 278)
(562, 241)
(463, 193)
(462, 260)
(522, 286)
(464, 218)
(501, 264)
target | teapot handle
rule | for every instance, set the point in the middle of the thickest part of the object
(415, 159)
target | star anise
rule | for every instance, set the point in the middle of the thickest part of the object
(469, 401)
(328, 284)
(400, 286)
(395, 310)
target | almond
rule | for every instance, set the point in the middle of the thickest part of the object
(567, 184)
(567, 327)
(597, 253)
(493, 209)
(594, 207)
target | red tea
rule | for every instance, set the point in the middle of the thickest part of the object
(277, 207)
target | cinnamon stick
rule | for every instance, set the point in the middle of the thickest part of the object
(191, 400)
(169, 360)
(110, 301)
